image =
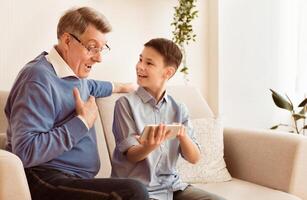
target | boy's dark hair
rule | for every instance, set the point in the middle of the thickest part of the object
(171, 53)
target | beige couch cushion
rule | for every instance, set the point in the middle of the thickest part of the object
(13, 182)
(273, 159)
(106, 112)
(2, 140)
(105, 164)
(247, 190)
(3, 122)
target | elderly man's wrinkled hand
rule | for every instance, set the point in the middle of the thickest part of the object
(87, 110)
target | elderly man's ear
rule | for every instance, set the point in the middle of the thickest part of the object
(65, 39)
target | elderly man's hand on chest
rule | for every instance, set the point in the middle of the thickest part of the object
(87, 110)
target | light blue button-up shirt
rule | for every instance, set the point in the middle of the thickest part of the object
(158, 171)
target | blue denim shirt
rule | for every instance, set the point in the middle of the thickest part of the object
(158, 171)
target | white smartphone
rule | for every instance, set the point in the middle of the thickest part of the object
(173, 128)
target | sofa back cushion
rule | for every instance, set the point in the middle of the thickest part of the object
(105, 169)
(3, 122)
(2, 140)
(106, 109)
(273, 159)
(198, 108)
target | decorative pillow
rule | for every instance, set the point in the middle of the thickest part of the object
(211, 167)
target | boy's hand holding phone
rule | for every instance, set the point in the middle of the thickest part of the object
(153, 135)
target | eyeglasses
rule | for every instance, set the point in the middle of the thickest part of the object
(92, 50)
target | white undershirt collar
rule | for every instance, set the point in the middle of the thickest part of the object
(61, 68)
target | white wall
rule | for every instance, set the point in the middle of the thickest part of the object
(29, 27)
(243, 48)
(213, 56)
(257, 51)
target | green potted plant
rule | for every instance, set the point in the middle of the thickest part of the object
(297, 114)
(183, 31)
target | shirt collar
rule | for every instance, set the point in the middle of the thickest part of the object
(147, 97)
(61, 68)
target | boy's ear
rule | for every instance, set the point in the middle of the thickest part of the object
(170, 71)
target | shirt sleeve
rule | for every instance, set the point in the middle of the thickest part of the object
(124, 128)
(100, 88)
(186, 121)
(35, 139)
(84, 122)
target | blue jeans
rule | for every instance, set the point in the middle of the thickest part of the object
(194, 193)
(50, 184)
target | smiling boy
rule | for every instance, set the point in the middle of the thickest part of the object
(153, 160)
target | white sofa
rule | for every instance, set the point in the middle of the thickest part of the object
(264, 165)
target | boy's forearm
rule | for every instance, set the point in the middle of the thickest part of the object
(137, 153)
(190, 150)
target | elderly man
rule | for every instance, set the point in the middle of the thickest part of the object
(51, 111)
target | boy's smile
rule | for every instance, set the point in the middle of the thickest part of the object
(150, 70)
(152, 73)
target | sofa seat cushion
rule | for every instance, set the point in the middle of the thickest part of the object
(237, 189)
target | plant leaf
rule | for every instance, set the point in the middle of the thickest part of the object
(182, 23)
(289, 100)
(274, 127)
(184, 70)
(298, 116)
(303, 111)
(280, 101)
(303, 103)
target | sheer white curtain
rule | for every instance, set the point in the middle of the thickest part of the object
(301, 74)
(292, 68)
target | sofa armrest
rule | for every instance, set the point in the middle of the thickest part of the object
(13, 182)
(274, 159)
